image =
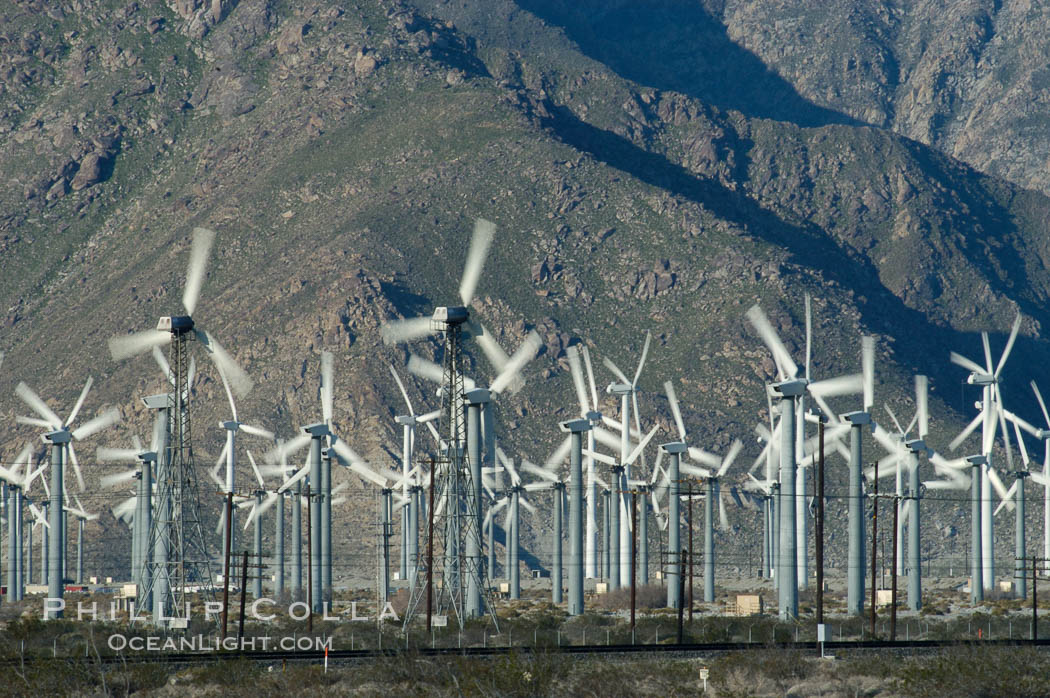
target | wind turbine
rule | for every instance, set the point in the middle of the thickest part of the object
(792, 385)
(720, 465)
(1044, 478)
(408, 422)
(988, 378)
(61, 440)
(19, 479)
(626, 390)
(176, 535)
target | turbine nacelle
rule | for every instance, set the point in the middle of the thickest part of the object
(451, 315)
(620, 389)
(405, 419)
(674, 447)
(156, 402)
(575, 425)
(918, 446)
(977, 460)
(147, 457)
(176, 324)
(61, 436)
(477, 396)
(316, 431)
(789, 388)
(981, 379)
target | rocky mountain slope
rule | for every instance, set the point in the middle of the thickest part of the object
(342, 151)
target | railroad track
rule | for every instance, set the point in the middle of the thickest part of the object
(350, 656)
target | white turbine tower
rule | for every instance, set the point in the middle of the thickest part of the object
(589, 410)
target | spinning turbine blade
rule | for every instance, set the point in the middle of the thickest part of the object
(239, 380)
(418, 366)
(524, 354)
(165, 367)
(80, 401)
(255, 469)
(199, 252)
(672, 398)
(1042, 405)
(108, 455)
(987, 352)
(786, 367)
(867, 362)
(125, 346)
(397, 331)
(117, 478)
(590, 376)
(921, 392)
(257, 431)
(559, 455)
(401, 386)
(841, 385)
(641, 362)
(33, 422)
(1009, 345)
(965, 433)
(484, 232)
(76, 466)
(809, 332)
(327, 392)
(615, 370)
(576, 368)
(33, 401)
(734, 450)
(641, 446)
(960, 360)
(97, 424)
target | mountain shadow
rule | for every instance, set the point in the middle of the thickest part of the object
(678, 45)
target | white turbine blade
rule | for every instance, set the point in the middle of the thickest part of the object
(117, 478)
(1009, 345)
(33, 401)
(497, 358)
(672, 398)
(786, 367)
(97, 424)
(1020, 422)
(960, 360)
(255, 469)
(607, 438)
(618, 426)
(656, 465)
(1042, 405)
(590, 376)
(80, 400)
(509, 465)
(1007, 500)
(339, 488)
(536, 470)
(484, 232)
(987, 352)
(734, 451)
(997, 484)
(641, 445)
(434, 433)
(337, 501)
(689, 469)
(946, 484)
(199, 252)
(34, 422)
(299, 475)
(239, 380)
(1040, 479)
(840, 385)
(109, 455)
(893, 417)
(229, 393)
(136, 443)
(723, 518)
(423, 368)
(965, 433)
(222, 521)
(428, 417)
(401, 386)
(124, 508)
(327, 388)
(601, 483)
(921, 405)
(1006, 434)
(165, 367)
(524, 354)
(615, 370)
(809, 332)
(867, 362)
(641, 361)
(125, 346)
(397, 331)
(525, 503)
(346, 453)
(538, 486)
(38, 516)
(257, 431)
(560, 454)
(600, 457)
(576, 368)
(76, 465)
(885, 439)
(706, 457)
(282, 450)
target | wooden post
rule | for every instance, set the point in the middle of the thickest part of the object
(819, 532)
(226, 566)
(309, 562)
(634, 558)
(874, 549)
(681, 592)
(430, 550)
(1035, 608)
(893, 574)
(244, 592)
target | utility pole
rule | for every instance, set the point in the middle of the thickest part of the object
(874, 555)
(226, 568)
(893, 573)
(681, 592)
